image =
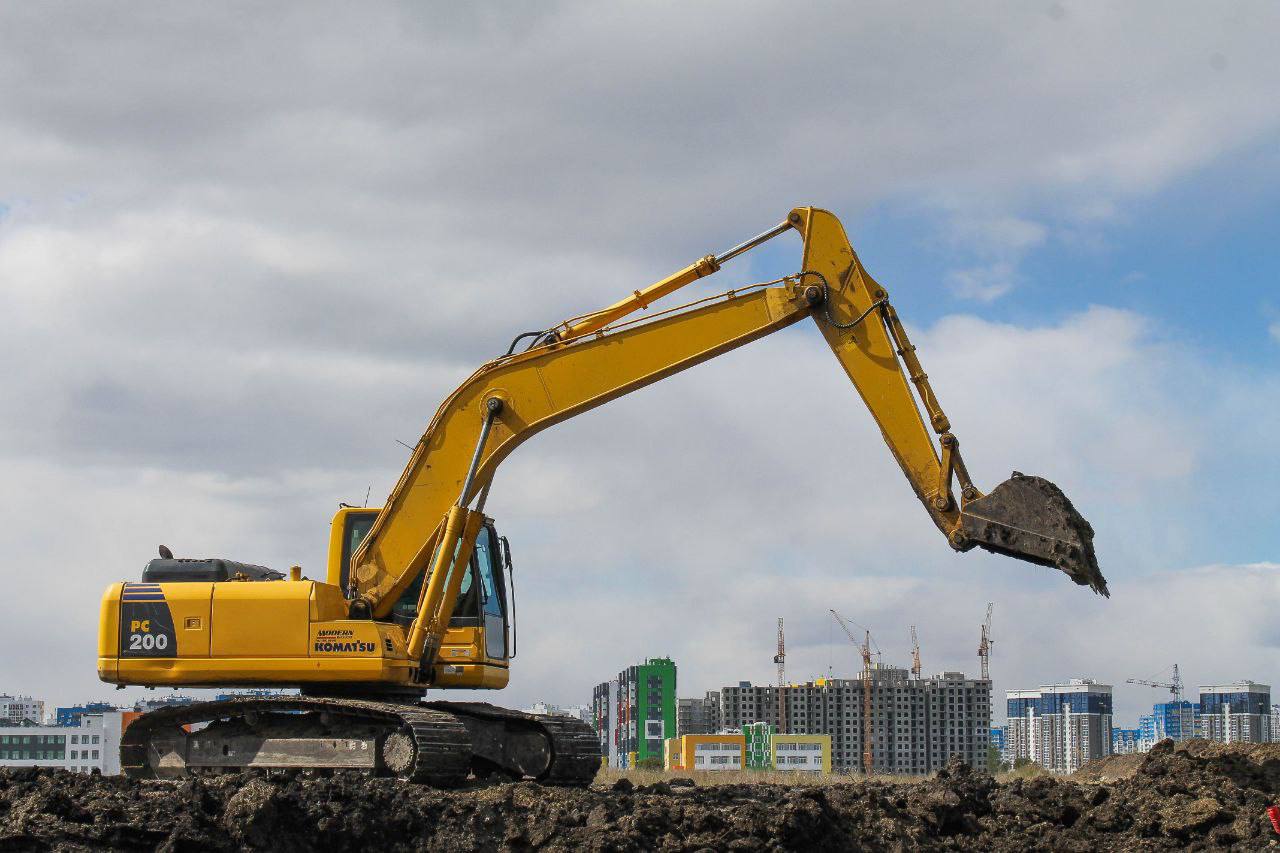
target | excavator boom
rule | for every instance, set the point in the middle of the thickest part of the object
(589, 360)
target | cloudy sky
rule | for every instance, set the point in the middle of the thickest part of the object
(244, 250)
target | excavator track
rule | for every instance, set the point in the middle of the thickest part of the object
(552, 749)
(411, 742)
(436, 743)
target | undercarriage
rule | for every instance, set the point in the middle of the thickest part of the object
(435, 743)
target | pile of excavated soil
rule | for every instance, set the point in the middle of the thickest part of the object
(1199, 797)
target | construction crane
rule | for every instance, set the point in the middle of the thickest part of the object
(781, 660)
(984, 645)
(915, 654)
(1174, 685)
(868, 764)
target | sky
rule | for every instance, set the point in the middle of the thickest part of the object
(245, 251)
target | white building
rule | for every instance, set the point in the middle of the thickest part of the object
(578, 712)
(1061, 727)
(94, 744)
(21, 710)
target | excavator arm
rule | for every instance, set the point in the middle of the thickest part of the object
(427, 524)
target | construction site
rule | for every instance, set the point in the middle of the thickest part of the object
(403, 397)
(359, 750)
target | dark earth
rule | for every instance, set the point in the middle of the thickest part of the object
(1198, 796)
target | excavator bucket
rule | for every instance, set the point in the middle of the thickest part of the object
(1031, 519)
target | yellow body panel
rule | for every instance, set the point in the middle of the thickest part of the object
(109, 634)
(190, 604)
(277, 632)
(259, 619)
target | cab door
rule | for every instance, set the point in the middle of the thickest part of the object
(493, 594)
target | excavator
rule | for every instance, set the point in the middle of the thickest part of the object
(419, 593)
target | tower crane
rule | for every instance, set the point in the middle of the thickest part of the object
(915, 654)
(984, 645)
(1163, 722)
(1174, 685)
(781, 660)
(868, 764)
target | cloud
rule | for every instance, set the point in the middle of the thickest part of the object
(982, 283)
(1001, 241)
(238, 262)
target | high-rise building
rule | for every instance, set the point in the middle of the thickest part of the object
(916, 724)
(1275, 723)
(636, 712)
(1124, 741)
(21, 711)
(604, 714)
(1146, 732)
(1060, 726)
(1000, 740)
(1239, 712)
(698, 716)
(1173, 720)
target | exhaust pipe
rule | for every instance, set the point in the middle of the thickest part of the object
(1031, 519)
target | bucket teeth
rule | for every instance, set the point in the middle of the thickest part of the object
(1031, 519)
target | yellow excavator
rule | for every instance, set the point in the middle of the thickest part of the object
(419, 593)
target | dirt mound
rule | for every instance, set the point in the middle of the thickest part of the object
(1109, 769)
(1198, 797)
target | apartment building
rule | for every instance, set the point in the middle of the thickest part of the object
(698, 716)
(1239, 712)
(635, 713)
(916, 724)
(1060, 726)
(21, 711)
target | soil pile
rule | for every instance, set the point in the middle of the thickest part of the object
(1198, 796)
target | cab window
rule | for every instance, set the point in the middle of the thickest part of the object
(490, 574)
(466, 608)
(358, 526)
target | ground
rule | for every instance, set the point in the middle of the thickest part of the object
(1197, 796)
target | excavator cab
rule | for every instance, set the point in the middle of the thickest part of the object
(481, 626)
